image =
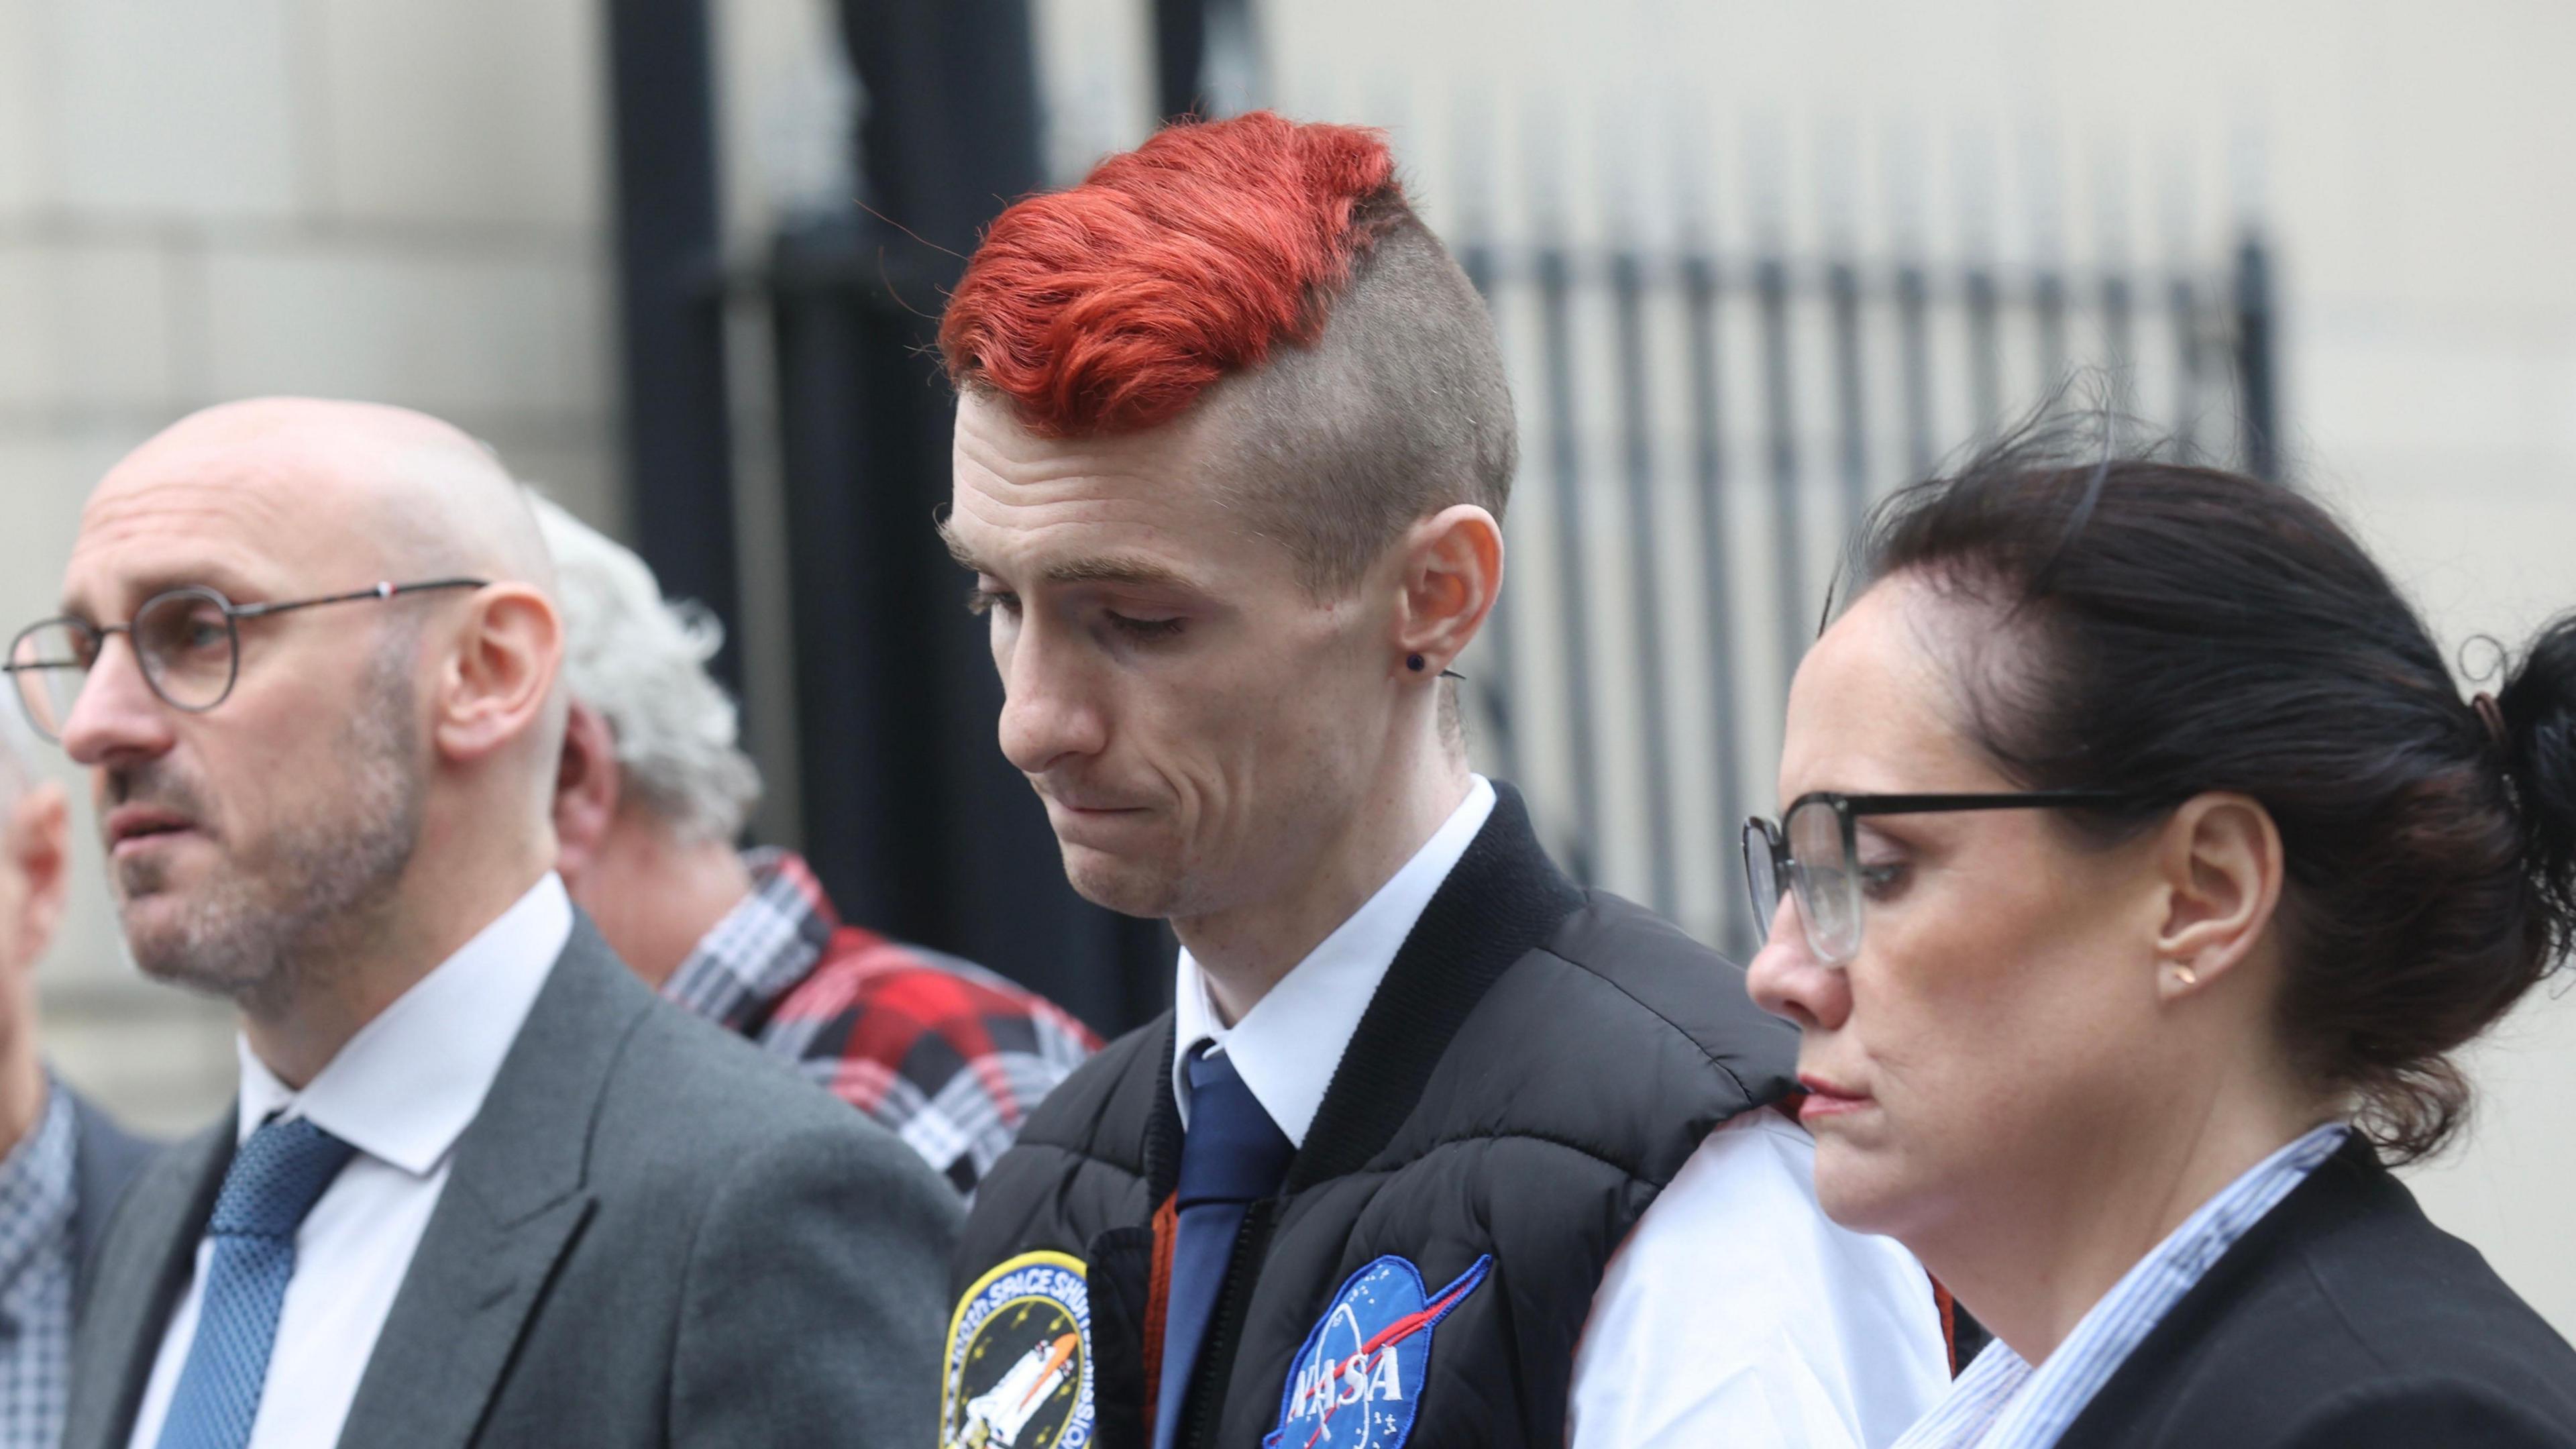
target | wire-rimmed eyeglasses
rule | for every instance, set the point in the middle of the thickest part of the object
(1814, 854)
(187, 641)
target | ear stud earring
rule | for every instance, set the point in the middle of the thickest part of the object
(1413, 662)
(2188, 976)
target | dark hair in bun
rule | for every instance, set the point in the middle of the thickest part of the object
(2182, 629)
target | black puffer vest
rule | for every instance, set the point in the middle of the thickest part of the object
(1537, 1065)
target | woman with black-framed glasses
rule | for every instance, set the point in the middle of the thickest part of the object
(2142, 869)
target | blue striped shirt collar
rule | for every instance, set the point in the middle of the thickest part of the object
(2001, 1402)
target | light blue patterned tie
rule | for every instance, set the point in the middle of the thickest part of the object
(271, 1185)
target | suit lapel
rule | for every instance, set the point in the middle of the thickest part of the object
(144, 1264)
(515, 1201)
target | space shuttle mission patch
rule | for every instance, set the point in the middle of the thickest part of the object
(1018, 1373)
(1357, 1381)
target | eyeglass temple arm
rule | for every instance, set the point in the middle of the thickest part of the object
(1932, 804)
(380, 591)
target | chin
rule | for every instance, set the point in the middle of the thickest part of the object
(1123, 884)
(1861, 1188)
(159, 935)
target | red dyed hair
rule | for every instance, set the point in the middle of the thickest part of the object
(1110, 307)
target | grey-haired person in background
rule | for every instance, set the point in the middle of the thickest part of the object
(653, 790)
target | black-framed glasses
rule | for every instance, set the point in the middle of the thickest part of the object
(1814, 854)
(187, 641)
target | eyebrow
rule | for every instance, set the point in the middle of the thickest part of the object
(1129, 569)
(233, 586)
(958, 550)
(1118, 569)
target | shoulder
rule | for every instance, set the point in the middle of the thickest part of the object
(686, 1098)
(1623, 994)
(2418, 1307)
(107, 1156)
(2343, 1296)
(1102, 1109)
(2362, 1268)
(2407, 1410)
(1750, 1186)
(1842, 1323)
(1081, 1159)
(878, 997)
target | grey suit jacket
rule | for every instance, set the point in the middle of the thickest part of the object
(653, 1234)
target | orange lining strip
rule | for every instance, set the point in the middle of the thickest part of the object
(1949, 1325)
(1158, 1298)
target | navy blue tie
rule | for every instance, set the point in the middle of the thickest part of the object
(1232, 1156)
(271, 1185)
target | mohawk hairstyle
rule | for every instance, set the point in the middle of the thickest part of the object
(1111, 307)
(1270, 279)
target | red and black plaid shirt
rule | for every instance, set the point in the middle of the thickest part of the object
(945, 1054)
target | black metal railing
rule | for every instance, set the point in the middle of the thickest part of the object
(1806, 389)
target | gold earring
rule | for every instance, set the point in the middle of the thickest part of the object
(2189, 976)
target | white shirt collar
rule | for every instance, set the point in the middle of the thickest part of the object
(1288, 1045)
(408, 1084)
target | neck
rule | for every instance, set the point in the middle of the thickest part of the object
(656, 897)
(347, 971)
(2036, 1256)
(1246, 951)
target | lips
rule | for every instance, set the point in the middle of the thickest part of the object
(1825, 1099)
(1084, 802)
(137, 825)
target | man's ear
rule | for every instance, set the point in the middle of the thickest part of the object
(1452, 566)
(497, 683)
(38, 835)
(588, 787)
(2221, 860)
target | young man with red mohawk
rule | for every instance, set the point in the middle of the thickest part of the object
(1435, 1148)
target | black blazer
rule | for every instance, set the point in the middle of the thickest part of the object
(2343, 1320)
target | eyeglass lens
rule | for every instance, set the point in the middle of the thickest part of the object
(1820, 872)
(184, 642)
(50, 660)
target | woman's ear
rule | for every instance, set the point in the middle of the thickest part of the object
(2222, 867)
(1452, 566)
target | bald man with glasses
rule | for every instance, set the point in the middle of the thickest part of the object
(479, 1186)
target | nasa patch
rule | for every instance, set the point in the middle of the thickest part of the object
(1357, 1381)
(1019, 1359)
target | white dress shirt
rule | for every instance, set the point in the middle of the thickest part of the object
(1735, 1316)
(401, 1092)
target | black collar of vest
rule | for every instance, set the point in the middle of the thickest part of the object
(1504, 897)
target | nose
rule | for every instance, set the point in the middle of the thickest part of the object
(1788, 981)
(1048, 712)
(116, 719)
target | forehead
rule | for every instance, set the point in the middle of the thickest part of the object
(1875, 706)
(238, 517)
(1022, 500)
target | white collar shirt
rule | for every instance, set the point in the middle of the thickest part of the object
(1735, 1313)
(1287, 1046)
(402, 1091)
